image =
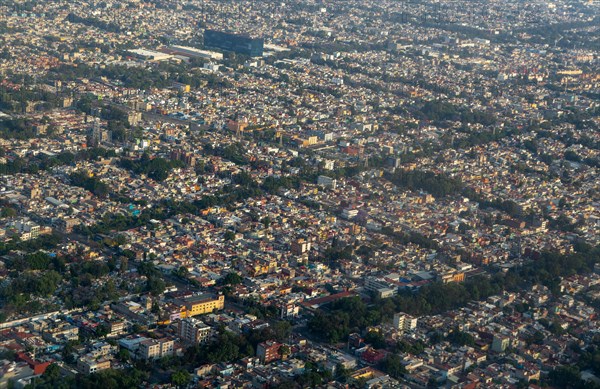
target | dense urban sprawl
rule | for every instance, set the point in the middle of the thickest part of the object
(291, 194)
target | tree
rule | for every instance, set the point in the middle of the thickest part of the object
(8, 212)
(102, 330)
(93, 184)
(155, 168)
(266, 221)
(570, 155)
(123, 355)
(461, 338)
(282, 330)
(52, 373)
(124, 265)
(182, 272)
(68, 351)
(392, 364)
(565, 376)
(50, 379)
(341, 373)
(436, 338)
(284, 351)
(120, 240)
(111, 378)
(155, 285)
(556, 328)
(562, 203)
(375, 339)
(232, 278)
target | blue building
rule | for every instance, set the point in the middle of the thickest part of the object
(242, 44)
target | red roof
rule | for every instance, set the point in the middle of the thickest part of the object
(38, 367)
(372, 356)
(328, 299)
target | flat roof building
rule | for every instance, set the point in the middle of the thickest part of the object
(194, 52)
(253, 47)
(194, 331)
(198, 305)
(150, 55)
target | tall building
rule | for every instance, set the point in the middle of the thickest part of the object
(194, 331)
(383, 288)
(27, 229)
(327, 182)
(404, 322)
(34, 192)
(97, 135)
(242, 44)
(155, 348)
(500, 343)
(300, 246)
(268, 351)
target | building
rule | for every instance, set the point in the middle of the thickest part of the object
(14, 372)
(116, 328)
(381, 287)
(66, 224)
(300, 246)
(62, 333)
(150, 55)
(97, 135)
(452, 277)
(198, 305)
(242, 44)
(139, 105)
(134, 118)
(194, 52)
(155, 348)
(500, 343)
(268, 351)
(194, 331)
(27, 229)
(327, 182)
(180, 155)
(349, 213)
(404, 322)
(237, 126)
(305, 142)
(371, 356)
(34, 192)
(288, 310)
(329, 164)
(88, 364)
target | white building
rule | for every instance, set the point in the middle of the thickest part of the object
(404, 322)
(194, 331)
(349, 213)
(327, 182)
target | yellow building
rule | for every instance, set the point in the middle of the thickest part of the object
(452, 277)
(198, 305)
